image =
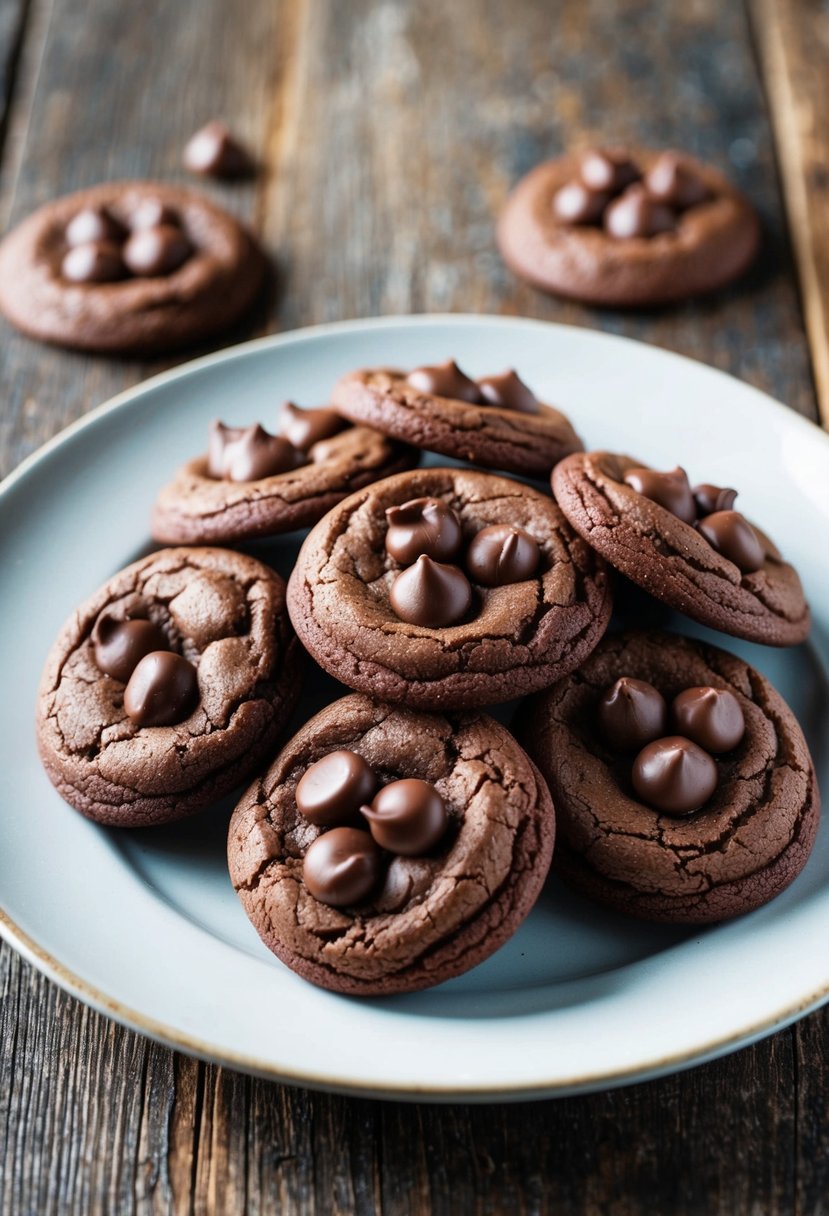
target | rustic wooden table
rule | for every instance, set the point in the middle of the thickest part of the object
(390, 132)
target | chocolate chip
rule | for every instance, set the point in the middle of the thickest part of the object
(407, 817)
(608, 170)
(422, 526)
(508, 392)
(711, 717)
(152, 213)
(732, 535)
(576, 203)
(445, 380)
(342, 867)
(119, 645)
(304, 428)
(632, 713)
(333, 790)
(431, 594)
(248, 453)
(711, 498)
(150, 252)
(163, 689)
(636, 214)
(214, 152)
(95, 262)
(672, 181)
(94, 224)
(502, 553)
(671, 490)
(674, 775)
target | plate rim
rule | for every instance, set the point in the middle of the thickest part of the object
(181, 1040)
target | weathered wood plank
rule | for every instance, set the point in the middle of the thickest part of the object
(12, 25)
(793, 39)
(391, 136)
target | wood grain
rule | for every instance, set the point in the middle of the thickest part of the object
(390, 136)
(793, 38)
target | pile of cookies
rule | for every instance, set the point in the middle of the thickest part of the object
(402, 834)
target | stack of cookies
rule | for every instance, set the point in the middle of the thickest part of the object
(402, 834)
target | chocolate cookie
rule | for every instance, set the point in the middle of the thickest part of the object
(129, 267)
(495, 421)
(638, 829)
(168, 687)
(443, 863)
(448, 588)
(687, 547)
(627, 229)
(251, 483)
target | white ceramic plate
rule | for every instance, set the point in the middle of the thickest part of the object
(146, 927)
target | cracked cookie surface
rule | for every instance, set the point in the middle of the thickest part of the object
(196, 508)
(672, 561)
(203, 296)
(434, 916)
(527, 444)
(516, 639)
(222, 611)
(747, 843)
(713, 243)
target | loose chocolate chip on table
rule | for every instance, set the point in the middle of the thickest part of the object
(94, 224)
(407, 817)
(248, 453)
(711, 717)
(342, 867)
(156, 251)
(119, 645)
(670, 180)
(162, 689)
(502, 553)
(732, 535)
(576, 203)
(508, 392)
(215, 152)
(304, 428)
(632, 713)
(671, 490)
(445, 380)
(674, 775)
(608, 170)
(422, 526)
(333, 790)
(431, 594)
(711, 498)
(636, 214)
(94, 262)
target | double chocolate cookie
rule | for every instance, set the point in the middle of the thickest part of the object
(448, 588)
(627, 229)
(683, 786)
(496, 421)
(387, 850)
(128, 267)
(168, 687)
(686, 546)
(252, 483)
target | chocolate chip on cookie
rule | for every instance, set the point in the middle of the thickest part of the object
(496, 421)
(129, 267)
(252, 483)
(702, 824)
(406, 890)
(718, 568)
(479, 625)
(168, 687)
(623, 228)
